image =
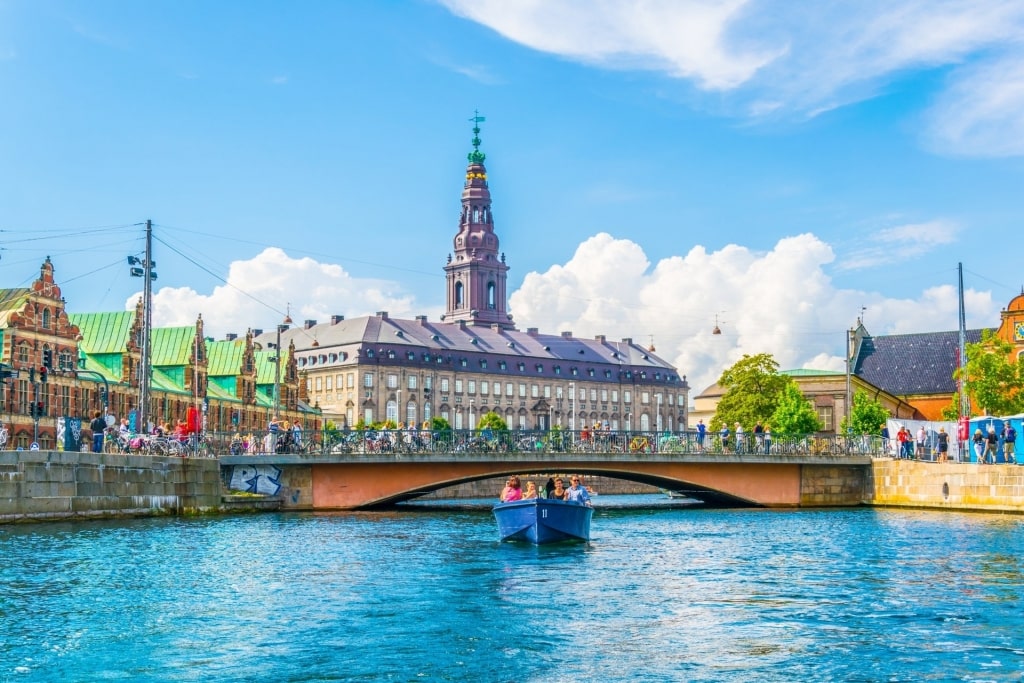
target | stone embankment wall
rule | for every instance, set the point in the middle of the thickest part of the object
(946, 486)
(47, 485)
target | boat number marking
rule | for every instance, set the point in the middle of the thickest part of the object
(544, 514)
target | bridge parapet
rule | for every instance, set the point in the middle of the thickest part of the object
(562, 443)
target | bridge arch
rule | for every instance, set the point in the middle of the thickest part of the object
(361, 485)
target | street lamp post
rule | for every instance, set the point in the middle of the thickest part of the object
(572, 407)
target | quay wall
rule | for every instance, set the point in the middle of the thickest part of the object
(53, 485)
(946, 486)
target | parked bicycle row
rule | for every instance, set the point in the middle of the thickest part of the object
(383, 441)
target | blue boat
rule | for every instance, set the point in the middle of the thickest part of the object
(542, 520)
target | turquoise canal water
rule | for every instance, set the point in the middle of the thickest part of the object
(661, 594)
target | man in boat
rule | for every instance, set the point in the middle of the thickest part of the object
(577, 493)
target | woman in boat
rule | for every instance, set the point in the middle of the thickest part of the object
(512, 491)
(531, 491)
(558, 493)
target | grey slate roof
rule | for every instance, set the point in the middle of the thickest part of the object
(911, 364)
(455, 341)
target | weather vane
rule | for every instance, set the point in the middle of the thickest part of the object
(476, 156)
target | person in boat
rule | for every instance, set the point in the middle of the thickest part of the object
(549, 487)
(512, 491)
(576, 493)
(531, 491)
(558, 492)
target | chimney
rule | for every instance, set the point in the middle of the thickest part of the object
(230, 336)
(335, 319)
(383, 315)
(600, 338)
(532, 331)
(627, 340)
(257, 332)
(309, 323)
(421, 319)
(567, 335)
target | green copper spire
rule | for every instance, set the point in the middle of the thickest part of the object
(476, 156)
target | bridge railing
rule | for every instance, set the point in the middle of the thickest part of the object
(380, 442)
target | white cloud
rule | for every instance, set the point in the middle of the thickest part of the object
(899, 243)
(982, 112)
(778, 57)
(781, 302)
(684, 39)
(259, 291)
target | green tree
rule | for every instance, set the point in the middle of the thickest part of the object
(492, 421)
(752, 386)
(794, 414)
(995, 382)
(439, 424)
(867, 415)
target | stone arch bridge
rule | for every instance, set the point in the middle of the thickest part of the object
(367, 481)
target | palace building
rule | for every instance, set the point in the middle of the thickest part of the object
(58, 368)
(474, 361)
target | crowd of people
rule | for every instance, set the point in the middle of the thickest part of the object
(553, 490)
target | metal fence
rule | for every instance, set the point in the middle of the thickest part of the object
(385, 441)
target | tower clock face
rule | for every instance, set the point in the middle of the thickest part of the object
(1018, 331)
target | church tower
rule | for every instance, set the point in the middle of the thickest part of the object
(476, 275)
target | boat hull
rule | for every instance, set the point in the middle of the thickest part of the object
(540, 521)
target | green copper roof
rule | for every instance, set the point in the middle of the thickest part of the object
(104, 332)
(172, 345)
(265, 366)
(224, 358)
(169, 382)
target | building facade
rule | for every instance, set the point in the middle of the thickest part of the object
(474, 361)
(59, 368)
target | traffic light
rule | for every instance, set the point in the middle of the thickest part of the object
(31, 409)
(48, 359)
(40, 409)
(31, 375)
(43, 372)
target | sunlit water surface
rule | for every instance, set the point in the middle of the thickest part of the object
(428, 594)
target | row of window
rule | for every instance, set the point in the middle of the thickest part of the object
(426, 357)
(486, 388)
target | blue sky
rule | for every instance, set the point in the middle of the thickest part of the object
(655, 165)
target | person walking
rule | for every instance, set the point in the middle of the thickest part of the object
(942, 439)
(991, 445)
(98, 427)
(1009, 443)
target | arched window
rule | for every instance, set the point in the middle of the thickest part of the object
(391, 411)
(410, 413)
(645, 423)
(46, 318)
(458, 295)
(491, 296)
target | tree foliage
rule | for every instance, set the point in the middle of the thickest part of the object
(995, 381)
(439, 424)
(794, 414)
(492, 421)
(867, 415)
(752, 386)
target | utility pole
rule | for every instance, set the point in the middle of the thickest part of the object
(147, 274)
